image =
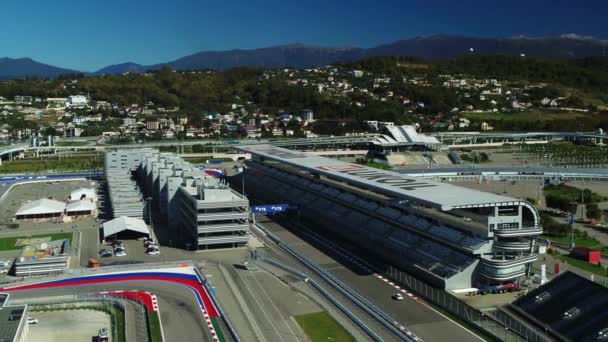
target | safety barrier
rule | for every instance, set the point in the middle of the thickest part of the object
(383, 318)
(229, 325)
(327, 295)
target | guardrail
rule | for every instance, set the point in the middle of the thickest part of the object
(231, 329)
(327, 295)
(78, 302)
(383, 318)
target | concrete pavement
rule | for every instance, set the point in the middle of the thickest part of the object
(180, 314)
(423, 320)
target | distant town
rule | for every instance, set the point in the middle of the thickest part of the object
(429, 101)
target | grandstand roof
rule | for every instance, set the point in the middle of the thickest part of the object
(40, 207)
(571, 307)
(436, 194)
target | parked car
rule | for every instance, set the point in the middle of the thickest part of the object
(103, 335)
(31, 320)
(3, 270)
(153, 251)
(104, 253)
(117, 243)
(120, 252)
(149, 242)
(103, 332)
(397, 296)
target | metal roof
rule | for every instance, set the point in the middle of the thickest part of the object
(41, 206)
(436, 194)
(86, 192)
(123, 223)
(10, 319)
(82, 205)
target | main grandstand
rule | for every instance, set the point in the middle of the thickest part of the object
(452, 237)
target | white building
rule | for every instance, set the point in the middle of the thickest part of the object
(125, 225)
(77, 101)
(40, 209)
(84, 207)
(82, 193)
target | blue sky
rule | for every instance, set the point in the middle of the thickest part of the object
(90, 34)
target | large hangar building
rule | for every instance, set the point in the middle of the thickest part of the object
(453, 237)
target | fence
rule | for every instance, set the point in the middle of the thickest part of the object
(109, 305)
(383, 318)
(484, 321)
(326, 294)
(216, 302)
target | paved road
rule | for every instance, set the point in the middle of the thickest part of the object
(181, 317)
(420, 318)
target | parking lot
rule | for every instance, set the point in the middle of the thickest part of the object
(136, 252)
(69, 325)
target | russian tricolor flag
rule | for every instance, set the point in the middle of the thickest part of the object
(214, 172)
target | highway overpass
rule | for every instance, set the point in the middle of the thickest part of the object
(448, 139)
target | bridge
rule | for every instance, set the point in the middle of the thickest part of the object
(446, 139)
(510, 173)
(462, 139)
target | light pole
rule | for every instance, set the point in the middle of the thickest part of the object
(243, 167)
(149, 200)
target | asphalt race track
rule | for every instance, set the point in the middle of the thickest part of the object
(181, 298)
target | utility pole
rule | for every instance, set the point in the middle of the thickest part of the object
(582, 204)
(571, 223)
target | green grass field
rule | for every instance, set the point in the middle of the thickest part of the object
(218, 329)
(583, 265)
(534, 115)
(40, 165)
(73, 143)
(321, 326)
(154, 327)
(579, 241)
(8, 243)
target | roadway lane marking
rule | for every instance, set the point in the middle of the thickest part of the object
(365, 266)
(179, 277)
(355, 260)
(334, 268)
(263, 311)
(274, 306)
(419, 300)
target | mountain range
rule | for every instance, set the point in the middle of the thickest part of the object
(300, 55)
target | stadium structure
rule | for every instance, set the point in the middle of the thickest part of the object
(450, 236)
(200, 209)
(569, 308)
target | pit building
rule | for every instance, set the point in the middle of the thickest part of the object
(450, 236)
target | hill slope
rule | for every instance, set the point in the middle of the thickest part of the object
(26, 67)
(300, 55)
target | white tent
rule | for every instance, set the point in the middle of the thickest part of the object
(41, 207)
(81, 193)
(82, 205)
(125, 223)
